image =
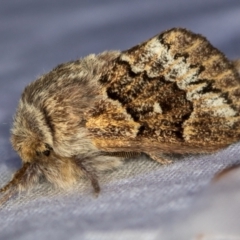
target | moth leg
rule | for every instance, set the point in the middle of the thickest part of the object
(90, 172)
(160, 158)
(91, 175)
(22, 180)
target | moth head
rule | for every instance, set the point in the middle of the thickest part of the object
(31, 136)
(39, 156)
(31, 148)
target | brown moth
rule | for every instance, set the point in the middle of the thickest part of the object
(174, 93)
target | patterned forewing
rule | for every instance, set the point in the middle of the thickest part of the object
(175, 88)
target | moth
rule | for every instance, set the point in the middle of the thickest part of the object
(174, 93)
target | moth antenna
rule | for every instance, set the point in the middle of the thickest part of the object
(8, 194)
(7, 187)
(22, 180)
(11, 188)
(16, 178)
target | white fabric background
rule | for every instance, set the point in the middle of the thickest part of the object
(142, 200)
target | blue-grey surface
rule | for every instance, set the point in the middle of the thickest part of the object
(142, 200)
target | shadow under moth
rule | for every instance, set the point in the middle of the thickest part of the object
(174, 93)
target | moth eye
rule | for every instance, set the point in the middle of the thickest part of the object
(46, 153)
